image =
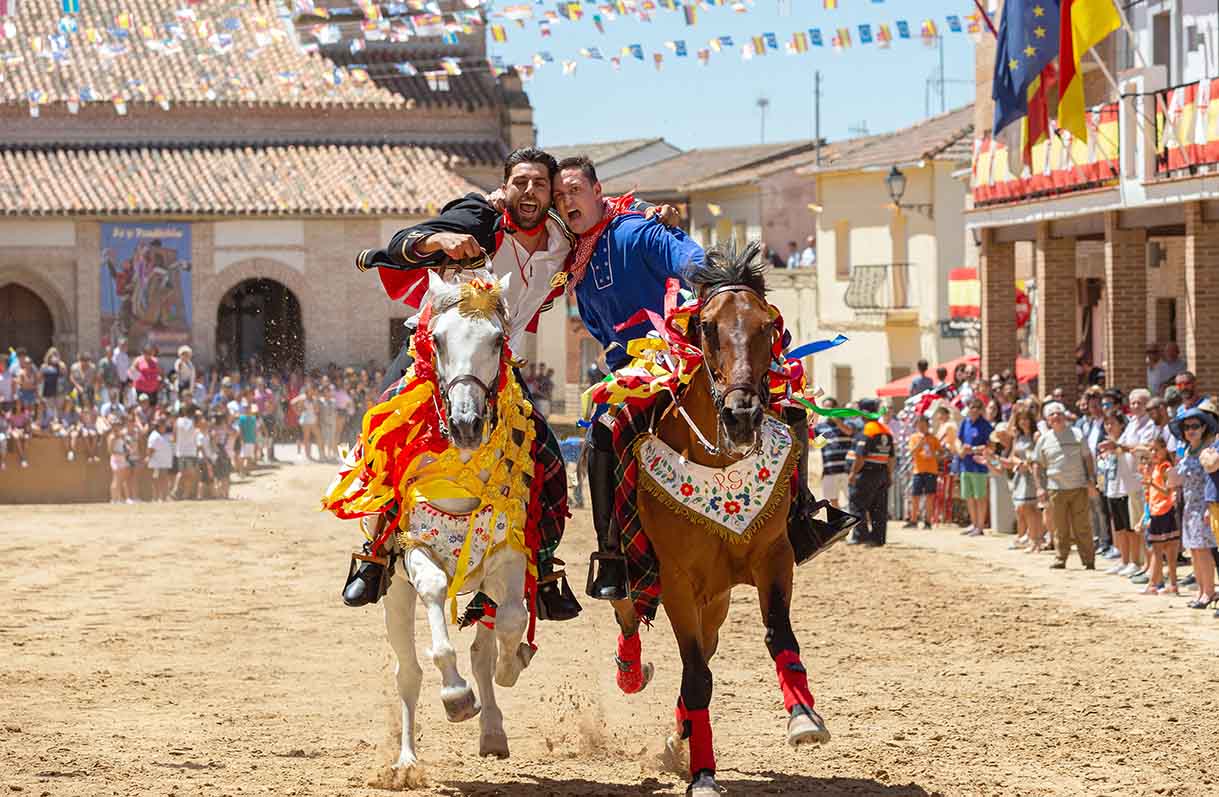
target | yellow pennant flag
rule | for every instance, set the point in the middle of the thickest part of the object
(1084, 24)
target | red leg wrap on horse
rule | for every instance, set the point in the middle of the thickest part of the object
(630, 667)
(702, 755)
(793, 680)
(681, 715)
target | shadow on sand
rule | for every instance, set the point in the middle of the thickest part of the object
(733, 781)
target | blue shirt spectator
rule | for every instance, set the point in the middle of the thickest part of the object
(974, 432)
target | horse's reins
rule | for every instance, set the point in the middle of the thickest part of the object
(718, 396)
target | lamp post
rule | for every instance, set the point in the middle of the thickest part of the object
(895, 181)
(763, 104)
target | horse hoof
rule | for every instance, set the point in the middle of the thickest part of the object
(704, 786)
(524, 654)
(675, 758)
(631, 683)
(493, 745)
(461, 705)
(806, 728)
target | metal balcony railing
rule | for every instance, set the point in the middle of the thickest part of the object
(1186, 134)
(882, 287)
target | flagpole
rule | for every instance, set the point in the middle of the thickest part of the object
(986, 18)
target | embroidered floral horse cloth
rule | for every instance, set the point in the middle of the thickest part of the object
(732, 501)
(456, 540)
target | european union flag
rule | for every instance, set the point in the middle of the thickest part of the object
(680, 49)
(1028, 40)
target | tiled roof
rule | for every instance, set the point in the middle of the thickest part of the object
(603, 151)
(677, 174)
(149, 50)
(943, 137)
(264, 180)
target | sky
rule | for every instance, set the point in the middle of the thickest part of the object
(692, 105)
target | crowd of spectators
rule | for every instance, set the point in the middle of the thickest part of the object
(191, 427)
(1128, 478)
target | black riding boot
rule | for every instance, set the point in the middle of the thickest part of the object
(808, 534)
(555, 598)
(607, 569)
(365, 580)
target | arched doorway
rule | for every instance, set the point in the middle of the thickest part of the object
(260, 319)
(25, 320)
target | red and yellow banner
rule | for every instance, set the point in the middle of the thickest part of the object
(1060, 164)
(1187, 126)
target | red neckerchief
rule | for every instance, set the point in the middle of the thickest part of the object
(509, 226)
(586, 243)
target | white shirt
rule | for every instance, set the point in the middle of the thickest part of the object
(121, 362)
(6, 385)
(530, 282)
(160, 451)
(808, 257)
(185, 372)
(184, 438)
(204, 444)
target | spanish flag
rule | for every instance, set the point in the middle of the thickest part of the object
(499, 34)
(1084, 24)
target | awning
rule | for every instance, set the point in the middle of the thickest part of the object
(1026, 371)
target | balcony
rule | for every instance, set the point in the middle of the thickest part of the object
(882, 288)
(1060, 164)
(1186, 131)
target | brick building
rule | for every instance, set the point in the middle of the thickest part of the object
(219, 191)
(1120, 236)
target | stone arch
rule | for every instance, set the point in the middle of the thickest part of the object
(209, 294)
(65, 332)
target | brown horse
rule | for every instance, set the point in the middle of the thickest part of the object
(722, 423)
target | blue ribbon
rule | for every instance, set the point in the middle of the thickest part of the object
(816, 346)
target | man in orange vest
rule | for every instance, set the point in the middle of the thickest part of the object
(871, 459)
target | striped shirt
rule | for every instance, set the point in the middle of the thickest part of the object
(834, 454)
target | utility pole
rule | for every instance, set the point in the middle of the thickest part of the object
(763, 104)
(943, 97)
(817, 114)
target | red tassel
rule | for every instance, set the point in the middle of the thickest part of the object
(793, 680)
(702, 753)
(630, 668)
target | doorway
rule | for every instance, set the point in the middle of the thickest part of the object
(25, 321)
(259, 322)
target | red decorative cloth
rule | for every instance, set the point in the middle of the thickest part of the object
(793, 680)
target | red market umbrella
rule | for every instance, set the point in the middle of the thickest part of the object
(1026, 371)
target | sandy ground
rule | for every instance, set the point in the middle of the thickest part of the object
(201, 649)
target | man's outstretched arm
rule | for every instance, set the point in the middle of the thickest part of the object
(464, 228)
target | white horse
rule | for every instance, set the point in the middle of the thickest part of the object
(467, 359)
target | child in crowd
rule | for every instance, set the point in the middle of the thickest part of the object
(247, 425)
(87, 437)
(926, 452)
(223, 436)
(1160, 521)
(160, 459)
(19, 431)
(1116, 475)
(207, 456)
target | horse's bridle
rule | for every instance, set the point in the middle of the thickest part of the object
(718, 395)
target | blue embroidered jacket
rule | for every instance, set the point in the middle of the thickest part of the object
(627, 273)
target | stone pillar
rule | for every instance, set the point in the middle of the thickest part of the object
(997, 270)
(1201, 297)
(1054, 269)
(1125, 305)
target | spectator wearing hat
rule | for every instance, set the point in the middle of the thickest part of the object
(1196, 427)
(1066, 473)
(872, 462)
(184, 369)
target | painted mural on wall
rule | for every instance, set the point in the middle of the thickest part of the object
(146, 284)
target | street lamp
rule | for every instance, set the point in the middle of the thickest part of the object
(895, 181)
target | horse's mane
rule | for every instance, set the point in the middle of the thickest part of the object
(724, 265)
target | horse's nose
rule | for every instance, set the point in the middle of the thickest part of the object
(467, 429)
(748, 416)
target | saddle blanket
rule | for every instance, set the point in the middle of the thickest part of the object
(446, 536)
(733, 501)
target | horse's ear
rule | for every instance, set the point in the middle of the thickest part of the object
(435, 282)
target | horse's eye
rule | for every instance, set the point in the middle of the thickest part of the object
(708, 328)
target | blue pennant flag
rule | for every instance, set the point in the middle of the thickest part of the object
(772, 41)
(865, 34)
(815, 347)
(903, 29)
(954, 23)
(814, 37)
(679, 48)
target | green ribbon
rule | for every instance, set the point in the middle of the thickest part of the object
(839, 412)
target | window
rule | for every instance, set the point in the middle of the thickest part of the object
(844, 384)
(397, 336)
(705, 234)
(1161, 42)
(842, 250)
(1166, 321)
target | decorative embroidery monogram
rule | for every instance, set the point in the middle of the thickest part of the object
(444, 535)
(733, 501)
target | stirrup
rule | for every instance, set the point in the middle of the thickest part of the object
(567, 607)
(810, 536)
(596, 574)
(377, 585)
